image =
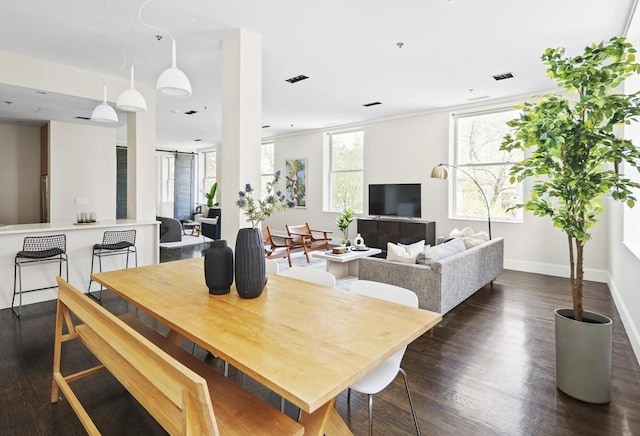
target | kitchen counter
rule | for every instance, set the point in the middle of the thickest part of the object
(80, 240)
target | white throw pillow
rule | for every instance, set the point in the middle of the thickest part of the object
(470, 238)
(433, 254)
(404, 253)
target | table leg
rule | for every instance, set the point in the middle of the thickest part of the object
(338, 269)
(324, 421)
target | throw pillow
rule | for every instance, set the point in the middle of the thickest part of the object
(470, 238)
(404, 253)
(433, 254)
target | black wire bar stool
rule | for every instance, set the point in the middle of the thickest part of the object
(114, 243)
(38, 250)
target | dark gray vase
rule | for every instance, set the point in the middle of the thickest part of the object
(250, 270)
(218, 267)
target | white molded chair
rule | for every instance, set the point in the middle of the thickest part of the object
(381, 376)
(271, 266)
(312, 275)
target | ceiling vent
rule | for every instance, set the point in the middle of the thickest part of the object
(190, 112)
(82, 118)
(297, 78)
(197, 140)
(266, 126)
(503, 76)
(373, 103)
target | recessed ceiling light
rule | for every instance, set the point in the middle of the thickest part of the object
(191, 112)
(503, 76)
(82, 118)
(297, 78)
(41, 92)
(197, 140)
(266, 126)
(373, 103)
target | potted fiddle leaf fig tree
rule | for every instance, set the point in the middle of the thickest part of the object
(574, 157)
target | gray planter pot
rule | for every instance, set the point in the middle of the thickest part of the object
(583, 356)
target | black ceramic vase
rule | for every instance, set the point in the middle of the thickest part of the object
(250, 270)
(218, 267)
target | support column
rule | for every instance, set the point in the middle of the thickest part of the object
(239, 152)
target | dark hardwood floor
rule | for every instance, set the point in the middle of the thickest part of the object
(487, 369)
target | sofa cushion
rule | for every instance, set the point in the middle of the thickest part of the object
(433, 254)
(470, 238)
(404, 253)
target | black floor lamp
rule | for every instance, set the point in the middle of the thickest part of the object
(440, 172)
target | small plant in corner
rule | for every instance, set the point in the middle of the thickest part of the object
(343, 221)
(211, 195)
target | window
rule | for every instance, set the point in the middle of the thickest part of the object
(168, 167)
(477, 151)
(209, 175)
(345, 171)
(267, 167)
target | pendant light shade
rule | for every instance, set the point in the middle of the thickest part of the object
(173, 81)
(131, 100)
(103, 113)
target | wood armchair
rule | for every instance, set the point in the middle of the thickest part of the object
(273, 249)
(310, 240)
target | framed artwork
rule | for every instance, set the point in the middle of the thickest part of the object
(296, 181)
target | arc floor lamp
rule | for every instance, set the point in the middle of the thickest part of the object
(440, 172)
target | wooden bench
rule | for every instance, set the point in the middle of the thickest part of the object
(185, 395)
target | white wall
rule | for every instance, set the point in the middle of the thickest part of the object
(404, 150)
(82, 164)
(19, 174)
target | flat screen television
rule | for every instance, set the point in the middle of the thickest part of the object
(400, 199)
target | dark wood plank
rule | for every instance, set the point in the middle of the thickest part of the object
(488, 369)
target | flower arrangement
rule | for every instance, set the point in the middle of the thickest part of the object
(343, 221)
(257, 210)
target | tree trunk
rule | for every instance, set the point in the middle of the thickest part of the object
(576, 256)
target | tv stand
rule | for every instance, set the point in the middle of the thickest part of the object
(377, 231)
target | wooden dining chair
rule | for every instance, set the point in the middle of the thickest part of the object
(276, 247)
(309, 240)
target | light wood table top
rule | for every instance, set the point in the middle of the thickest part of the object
(304, 341)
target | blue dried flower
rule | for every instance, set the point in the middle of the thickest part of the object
(241, 193)
(278, 173)
(279, 193)
(241, 203)
(248, 187)
(270, 199)
(292, 204)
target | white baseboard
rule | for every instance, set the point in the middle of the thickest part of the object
(555, 270)
(631, 328)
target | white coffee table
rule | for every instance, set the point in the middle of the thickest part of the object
(341, 265)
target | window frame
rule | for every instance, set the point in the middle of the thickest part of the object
(329, 206)
(205, 187)
(454, 214)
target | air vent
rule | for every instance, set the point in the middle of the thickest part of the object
(373, 103)
(297, 78)
(266, 126)
(190, 112)
(503, 76)
(197, 140)
(82, 118)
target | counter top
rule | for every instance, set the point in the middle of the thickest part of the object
(54, 227)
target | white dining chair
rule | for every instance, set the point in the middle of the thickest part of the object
(271, 266)
(382, 376)
(312, 275)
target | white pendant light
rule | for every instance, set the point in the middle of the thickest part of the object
(103, 113)
(131, 100)
(173, 81)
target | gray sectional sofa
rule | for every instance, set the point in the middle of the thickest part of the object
(446, 282)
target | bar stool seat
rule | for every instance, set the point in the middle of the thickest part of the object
(38, 250)
(114, 243)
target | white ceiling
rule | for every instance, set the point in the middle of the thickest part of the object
(349, 49)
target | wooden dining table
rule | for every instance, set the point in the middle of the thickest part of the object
(304, 341)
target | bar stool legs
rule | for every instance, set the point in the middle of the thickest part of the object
(113, 243)
(37, 250)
